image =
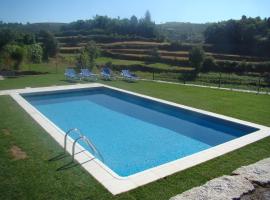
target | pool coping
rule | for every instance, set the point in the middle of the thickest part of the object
(109, 179)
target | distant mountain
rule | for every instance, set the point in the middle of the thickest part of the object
(186, 32)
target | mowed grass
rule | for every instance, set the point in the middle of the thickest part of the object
(250, 107)
(38, 178)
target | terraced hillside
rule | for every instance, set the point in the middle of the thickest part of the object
(141, 50)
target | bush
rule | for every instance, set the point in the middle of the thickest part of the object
(15, 54)
(35, 53)
(82, 59)
(209, 64)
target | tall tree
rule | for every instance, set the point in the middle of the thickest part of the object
(134, 20)
(147, 17)
(196, 58)
(83, 59)
(7, 36)
(93, 52)
(49, 43)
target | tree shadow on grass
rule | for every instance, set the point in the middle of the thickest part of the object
(17, 74)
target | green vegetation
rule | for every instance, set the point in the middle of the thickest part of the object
(53, 72)
(36, 177)
(50, 44)
(18, 47)
(185, 32)
(13, 56)
(35, 53)
(246, 36)
(88, 55)
(132, 27)
(196, 58)
(138, 45)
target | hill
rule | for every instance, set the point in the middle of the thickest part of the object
(186, 32)
(34, 27)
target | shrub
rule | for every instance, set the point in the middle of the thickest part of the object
(82, 59)
(209, 64)
(35, 53)
(15, 54)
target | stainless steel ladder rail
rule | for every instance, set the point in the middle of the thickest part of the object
(75, 130)
(85, 139)
(89, 143)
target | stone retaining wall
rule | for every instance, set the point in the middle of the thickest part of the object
(244, 180)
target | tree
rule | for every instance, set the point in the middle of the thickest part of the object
(35, 53)
(133, 20)
(28, 39)
(209, 64)
(88, 55)
(7, 36)
(196, 58)
(93, 52)
(147, 17)
(155, 54)
(49, 43)
(15, 54)
(114, 26)
(83, 59)
(245, 36)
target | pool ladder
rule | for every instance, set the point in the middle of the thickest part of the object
(84, 139)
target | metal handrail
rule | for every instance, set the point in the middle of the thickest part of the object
(89, 143)
(75, 130)
(85, 139)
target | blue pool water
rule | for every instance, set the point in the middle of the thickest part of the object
(133, 133)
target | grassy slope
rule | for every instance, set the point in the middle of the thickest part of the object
(37, 178)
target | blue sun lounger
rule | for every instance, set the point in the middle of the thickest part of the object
(87, 74)
(106, 73)
(70, 74)
(128, 76)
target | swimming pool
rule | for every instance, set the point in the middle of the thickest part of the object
(136, 134)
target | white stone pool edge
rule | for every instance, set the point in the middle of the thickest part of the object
(110, 180)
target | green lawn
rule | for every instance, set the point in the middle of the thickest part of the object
(37, 178)
(210, 79)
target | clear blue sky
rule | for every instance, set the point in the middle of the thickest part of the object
(161, 10)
